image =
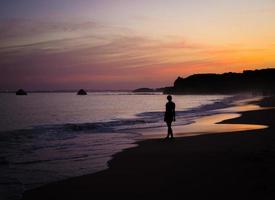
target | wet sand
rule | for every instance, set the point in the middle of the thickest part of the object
(238, 165)
(212, 123)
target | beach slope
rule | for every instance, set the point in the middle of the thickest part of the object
(238, 164)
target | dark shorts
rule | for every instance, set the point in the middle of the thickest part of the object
(168, 118)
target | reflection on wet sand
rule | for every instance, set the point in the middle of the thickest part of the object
(241, 108)
(210, 124)
(205, 125)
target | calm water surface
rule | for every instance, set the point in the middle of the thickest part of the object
(20, 112)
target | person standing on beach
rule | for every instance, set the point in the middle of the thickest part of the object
(170, 116)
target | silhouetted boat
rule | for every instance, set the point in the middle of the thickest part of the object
(81, 92)
(21, 92)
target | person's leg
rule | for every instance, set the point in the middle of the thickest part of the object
(169, 132)
(167, 136)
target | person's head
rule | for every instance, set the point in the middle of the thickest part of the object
(169, 98)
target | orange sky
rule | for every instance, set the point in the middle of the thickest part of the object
(128, 44)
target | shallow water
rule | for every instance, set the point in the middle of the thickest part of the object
(35, 109)
(211, 124)
(52, 136)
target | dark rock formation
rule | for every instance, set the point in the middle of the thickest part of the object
(81, 92)
(21, 92)
(144, 90)
(257, 81)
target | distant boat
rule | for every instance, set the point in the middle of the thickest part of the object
(21, 92)
(81, 92)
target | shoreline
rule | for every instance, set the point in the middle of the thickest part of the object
(210, 124)
(233, 163)
(86, 153)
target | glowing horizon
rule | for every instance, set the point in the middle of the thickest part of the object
(104, 44)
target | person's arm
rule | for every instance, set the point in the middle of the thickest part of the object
(174, 113)
(164, 117)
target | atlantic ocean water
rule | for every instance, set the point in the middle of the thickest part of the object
(46, 137)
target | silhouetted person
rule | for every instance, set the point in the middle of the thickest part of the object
(170, 116)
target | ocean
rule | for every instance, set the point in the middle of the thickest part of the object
(46, 137)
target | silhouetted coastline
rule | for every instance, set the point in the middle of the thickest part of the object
(254, 81)
(144, 90)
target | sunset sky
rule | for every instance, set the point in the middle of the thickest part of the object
(126, 44)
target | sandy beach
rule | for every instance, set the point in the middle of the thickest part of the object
(215, 165)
